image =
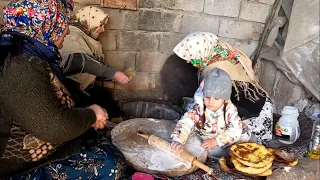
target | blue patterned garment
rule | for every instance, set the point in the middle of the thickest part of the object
(32, 26)
(43, 20)
(98, 159)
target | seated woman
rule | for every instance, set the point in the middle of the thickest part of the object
(205, 52)
(40, 130)
(83, 60)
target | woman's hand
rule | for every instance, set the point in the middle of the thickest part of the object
(209, 143)
(121, 78)
(101, 116)
(176, 146)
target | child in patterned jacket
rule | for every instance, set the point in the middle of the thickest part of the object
(213, 116)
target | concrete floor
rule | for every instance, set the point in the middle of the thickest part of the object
(306, 169)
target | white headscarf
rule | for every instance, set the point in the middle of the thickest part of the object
(196, 46)
(205, 51)
(91, 17)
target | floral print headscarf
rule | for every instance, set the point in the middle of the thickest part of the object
(204, 51)
(43, 20)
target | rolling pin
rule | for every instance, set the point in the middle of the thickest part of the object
(184, 157)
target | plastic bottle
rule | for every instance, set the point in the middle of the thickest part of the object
(314, 145)
(287, 129)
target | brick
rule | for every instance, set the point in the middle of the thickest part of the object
(138, 41)
(86, 2)
(169, 41)
(141, 81)
(147, 3)
(269, 2)
(150, 20)
(200, 23)
(248, 47)
(150, 61)
(122, 19)
(230, 8)
(120, 60)
(228, 40)
(188, 5)
(235, 29)
(108, 40)
(159, 82)
(254, 12)
(257, 30)
(131, 20)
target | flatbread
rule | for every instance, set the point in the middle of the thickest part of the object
(250, 170)
(223, 165)
(251, 154)
(225, 168)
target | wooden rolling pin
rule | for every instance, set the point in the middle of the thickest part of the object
(185, 157)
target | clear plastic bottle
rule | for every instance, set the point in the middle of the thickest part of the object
(314, 146)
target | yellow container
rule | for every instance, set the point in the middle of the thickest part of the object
(314, 145)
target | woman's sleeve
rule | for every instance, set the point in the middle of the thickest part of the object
(36, 107)
(85, 63)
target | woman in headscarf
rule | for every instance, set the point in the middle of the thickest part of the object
(40, 130)
(83, 60)
(205, 52)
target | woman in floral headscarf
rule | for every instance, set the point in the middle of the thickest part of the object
(39, 125)
(83, 60)
(205, 52)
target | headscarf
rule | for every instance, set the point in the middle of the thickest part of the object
(31, 27)
(89, 18)
(204, 51)
(80, 40)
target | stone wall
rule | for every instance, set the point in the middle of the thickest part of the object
(282, 91)
(144, 39)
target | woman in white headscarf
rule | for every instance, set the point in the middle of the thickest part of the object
(83, 60)
(205, 52)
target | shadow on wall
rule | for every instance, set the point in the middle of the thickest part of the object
(179, 79)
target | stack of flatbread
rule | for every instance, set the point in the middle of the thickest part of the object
(254, 159)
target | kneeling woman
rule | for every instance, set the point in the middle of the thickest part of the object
(205, 52)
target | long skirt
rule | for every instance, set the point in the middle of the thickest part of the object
(98, 159)
(261, 126)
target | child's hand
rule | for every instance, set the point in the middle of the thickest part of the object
(176, 146)
(194, 116)
(209, 143)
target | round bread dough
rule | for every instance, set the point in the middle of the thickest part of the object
(146, 158)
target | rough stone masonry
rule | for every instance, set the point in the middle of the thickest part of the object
(144, 39)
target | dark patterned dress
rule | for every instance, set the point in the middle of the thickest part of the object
(98, 159)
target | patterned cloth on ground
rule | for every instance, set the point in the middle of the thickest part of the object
(99, 159)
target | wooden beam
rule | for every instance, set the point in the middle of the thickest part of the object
(120, 4)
